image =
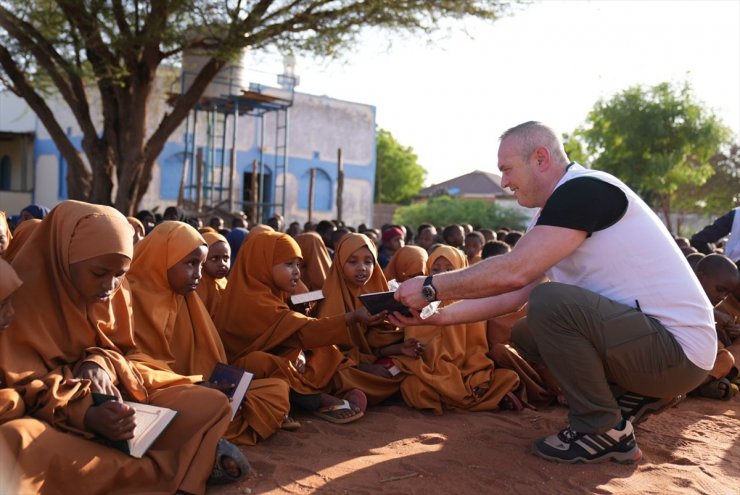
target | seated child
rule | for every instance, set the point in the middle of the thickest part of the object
(174, 329)
(720, 278)
(356, 271)
(263, 335)
(454, 371)
(408, 262)
(72, 338)
(316, 260)
(474, 242)
(20, 236)
(215, 270)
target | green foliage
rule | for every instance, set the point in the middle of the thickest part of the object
(655, 139)
(444, 210)
(718, 194)
(398, 175)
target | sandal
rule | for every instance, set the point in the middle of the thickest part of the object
(510, 402)
(325, 413)
(220, 475)
(290, 424)
(721, 389)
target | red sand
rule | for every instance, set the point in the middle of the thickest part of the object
(690, 449)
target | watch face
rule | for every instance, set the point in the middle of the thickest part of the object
(428, 293)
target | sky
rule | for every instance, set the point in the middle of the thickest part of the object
(452, 96)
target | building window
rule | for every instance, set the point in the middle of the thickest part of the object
(322, 191)
(5, 168)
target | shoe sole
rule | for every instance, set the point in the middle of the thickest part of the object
(630, 457)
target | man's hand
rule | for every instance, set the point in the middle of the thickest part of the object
(409, 293)
(401, 321)
(100, 382)
(113, 420)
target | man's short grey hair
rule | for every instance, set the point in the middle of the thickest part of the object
(534, 134)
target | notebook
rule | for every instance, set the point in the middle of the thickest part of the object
(239, 380)
(375, 302)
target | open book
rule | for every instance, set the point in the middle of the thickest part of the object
(375, 302)
(150, 423)
(226, 374)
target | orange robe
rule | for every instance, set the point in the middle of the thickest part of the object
(340, 298)
(262, 334)
(316, 260)
(178, 333)
(408, 262)
(454, 371)
(53, 333)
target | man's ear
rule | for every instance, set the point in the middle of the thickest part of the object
(542, 155)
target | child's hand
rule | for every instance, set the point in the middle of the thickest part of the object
(412, 348)
(113, 420)
(100, 382)
(300, 362)
(362, 315)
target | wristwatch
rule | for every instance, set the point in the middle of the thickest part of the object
(428, 291)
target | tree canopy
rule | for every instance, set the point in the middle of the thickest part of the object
(445, 210)
(398, 175)
(110, 50)
(656, 139)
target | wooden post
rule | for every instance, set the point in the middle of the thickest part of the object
(183, 177)
(253, 210)
(340, 183)
(232, 177)
(311, 184)
(199, 179)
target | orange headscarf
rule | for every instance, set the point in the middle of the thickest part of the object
(171, 328)
(316, 260)
(20, 236)
(254, 314)
(55, 330)
(259, 229)
(9, 281)
(341, 297)
(407, 262)
(211, 289)
(455, 256)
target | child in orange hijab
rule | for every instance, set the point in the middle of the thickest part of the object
(408, 262)
(356, 271)
(75, 338)
(316, 260)
(20, 236)
(173, 327)
(262, 334)
(215, 270)
(454, 371)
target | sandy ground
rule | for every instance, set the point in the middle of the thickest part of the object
(693, 448)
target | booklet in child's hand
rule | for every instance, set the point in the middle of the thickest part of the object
(150, 423)
(375, 302)
(239, 379)
(307, 297)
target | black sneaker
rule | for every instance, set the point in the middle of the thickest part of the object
(570, 447)
(636, 408)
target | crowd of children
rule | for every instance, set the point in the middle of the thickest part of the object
(143, 308)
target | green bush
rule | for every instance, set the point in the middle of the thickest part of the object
(444, 210)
